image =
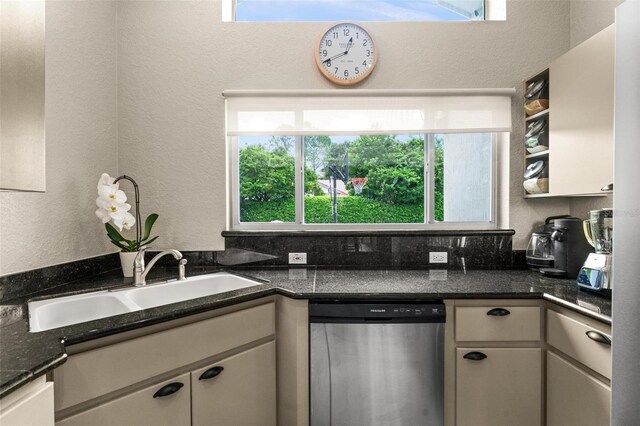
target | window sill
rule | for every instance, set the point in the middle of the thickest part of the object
(360, 233)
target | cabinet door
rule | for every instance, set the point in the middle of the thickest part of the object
(165, 403)
(574, 397)
(498, 387)
(33, 407)
(581, 117)
(239, 390)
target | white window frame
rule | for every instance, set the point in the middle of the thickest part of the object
(494, 10)
(298, 225)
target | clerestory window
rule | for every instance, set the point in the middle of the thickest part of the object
(354, 10)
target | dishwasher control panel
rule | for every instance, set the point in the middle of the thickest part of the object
(381, 312)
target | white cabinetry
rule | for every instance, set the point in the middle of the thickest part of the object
(155, 378)
(31, 405)
(578, 370)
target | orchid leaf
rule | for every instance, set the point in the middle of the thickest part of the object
(113, 233)
(148, 224)
(122, 246)
(146, 243)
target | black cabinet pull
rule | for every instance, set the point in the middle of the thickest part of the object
(211, 373)
(169, 389)
(498, 312)
(475, 356)
(598, 337)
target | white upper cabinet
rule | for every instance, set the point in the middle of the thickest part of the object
(22, 144)
(581, 128)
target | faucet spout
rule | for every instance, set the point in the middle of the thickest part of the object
(140, 271)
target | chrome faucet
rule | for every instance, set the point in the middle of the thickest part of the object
(140, 271)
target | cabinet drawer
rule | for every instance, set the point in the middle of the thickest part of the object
(497, 323)
(574, 397)
(241, 391)
(570, 336)
(90, 374)
(141, 408)
(504, 388)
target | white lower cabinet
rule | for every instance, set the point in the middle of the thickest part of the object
(239, 390)
(575, 397)
(223, 368)
(31, 405)
(165, 403)
(498, 386)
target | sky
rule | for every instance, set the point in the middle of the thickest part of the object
(340, 10)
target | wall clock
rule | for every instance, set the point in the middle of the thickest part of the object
(346, 54)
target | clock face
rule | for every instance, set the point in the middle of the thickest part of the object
(346, 54)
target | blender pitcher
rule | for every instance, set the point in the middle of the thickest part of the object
(595, 274)
(598, 230)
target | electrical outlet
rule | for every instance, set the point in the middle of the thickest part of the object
(297, 258)
(437, 257)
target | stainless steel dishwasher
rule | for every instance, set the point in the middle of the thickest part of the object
(377, 363)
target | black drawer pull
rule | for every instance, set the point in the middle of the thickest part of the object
(475, 356)
(169, 389)
(498, 312)
(211, 373)
(598, 337)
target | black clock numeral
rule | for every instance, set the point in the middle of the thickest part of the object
(346, 73)
(336, 70)
(346, 32)
(364, 63)
(324, 53)
(364, 42)
(335, 34)
(328, 43)
(328, 63)
(357, 70)
(368, 53)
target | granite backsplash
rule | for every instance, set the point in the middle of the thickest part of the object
(359, 249)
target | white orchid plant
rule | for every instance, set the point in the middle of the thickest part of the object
(112, 207)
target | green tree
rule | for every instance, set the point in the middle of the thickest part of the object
(270, 175)
(315, 148)
(438, 178)
(395, 169)
(285, 142)
(266, 175)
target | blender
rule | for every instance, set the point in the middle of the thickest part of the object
(595, 275)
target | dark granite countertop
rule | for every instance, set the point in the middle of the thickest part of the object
(25, 355)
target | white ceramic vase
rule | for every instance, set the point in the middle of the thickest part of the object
(126, 261)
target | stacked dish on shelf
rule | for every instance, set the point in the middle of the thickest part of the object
(536, 138)
(536, 97)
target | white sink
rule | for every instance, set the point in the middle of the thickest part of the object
(68, 310)
(192, 288)
(61, 311)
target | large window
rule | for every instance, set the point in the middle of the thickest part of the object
(360, 180)
(369, 159)
(354, 10)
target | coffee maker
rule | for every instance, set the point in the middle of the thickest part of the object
(570, 248)
(539, 252)
(595, 275)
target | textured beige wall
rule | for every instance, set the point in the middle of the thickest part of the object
(176, 57)
(59, 226)
(588, 17)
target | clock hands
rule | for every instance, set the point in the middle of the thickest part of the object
(334, 57)
(349, 44)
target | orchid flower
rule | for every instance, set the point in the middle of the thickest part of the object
(124, 220)
(112, 206)
(112, 193)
